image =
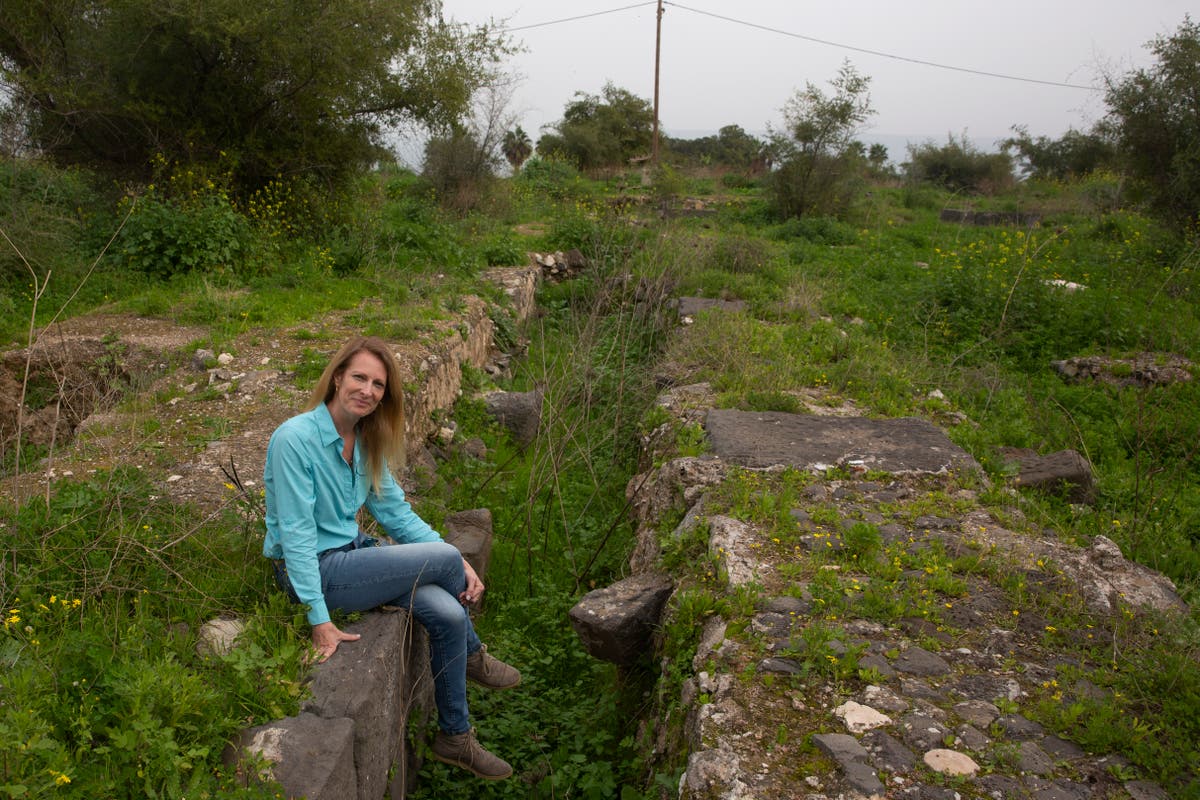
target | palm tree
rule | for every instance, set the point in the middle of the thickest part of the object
(516, 147)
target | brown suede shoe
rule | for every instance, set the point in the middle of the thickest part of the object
(462, 750)
(491, 672)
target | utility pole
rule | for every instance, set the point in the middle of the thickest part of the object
(657, 61)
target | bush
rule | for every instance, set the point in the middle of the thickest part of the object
(164, 238)
(1157, 122)
(43, 211)
(548, 177)
(819, 163)
(738, 254)
(502, 250)
(459, 169)
(959, 166)
(410, 231)
(818, 230)
(736, 180)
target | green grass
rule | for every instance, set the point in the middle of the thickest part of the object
(104, 692)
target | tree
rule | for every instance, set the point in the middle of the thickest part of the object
(878, 155)
(272, 87)
(460, 163)
(816, 153)
(1155, 113)
(516, 147)
(1072, 155)
(731, 147)
(601, 130)
(736, 148)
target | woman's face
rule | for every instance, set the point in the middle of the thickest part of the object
(360, 387)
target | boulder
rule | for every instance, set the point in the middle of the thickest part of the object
(519, 412)
(363, 684)
(616, 623)
(217, 636)
(309, 756)
(1065, 472)
(471, 532)
(691, 306)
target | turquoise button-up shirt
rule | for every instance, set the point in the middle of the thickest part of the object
(313, 497)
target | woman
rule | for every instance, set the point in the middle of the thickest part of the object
(322, 467)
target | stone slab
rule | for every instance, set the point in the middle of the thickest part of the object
(906, 445)
(471, 532)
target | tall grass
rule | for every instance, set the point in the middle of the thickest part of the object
(104, 590)
(561, 529)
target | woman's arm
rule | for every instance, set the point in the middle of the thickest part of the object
(392, 510)
(291, 519)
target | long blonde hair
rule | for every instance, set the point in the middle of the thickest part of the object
(382, 431)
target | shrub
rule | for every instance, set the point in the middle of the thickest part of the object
(165, 238)
(818, 230)
(738, 254)
(502, 250)
(819, 163)
(459, 168)
(1074, 154)
(1157, 123)
(411, 231)
(550, 177)
(959, 166)
(736, 180)
(43, 211)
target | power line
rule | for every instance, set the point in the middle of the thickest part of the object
(581, 16)
(880, 53)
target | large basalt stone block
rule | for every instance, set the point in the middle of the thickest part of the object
(1064, 472)
(362, 682)
(519, 412)
(616, 623)
(309, 756)
(905, 445)
(471, 532)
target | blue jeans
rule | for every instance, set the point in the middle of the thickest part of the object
(425, 578)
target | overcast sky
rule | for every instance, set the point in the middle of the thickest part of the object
(718, 71)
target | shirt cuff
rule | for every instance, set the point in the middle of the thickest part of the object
(318, 613)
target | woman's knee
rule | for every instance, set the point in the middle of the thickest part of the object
(447, 552)
(439, 611)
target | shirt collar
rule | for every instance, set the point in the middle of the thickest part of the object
(329, 434)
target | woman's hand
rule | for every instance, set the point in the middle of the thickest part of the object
(326, 638)
(470, 596)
